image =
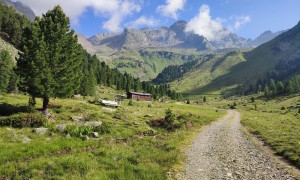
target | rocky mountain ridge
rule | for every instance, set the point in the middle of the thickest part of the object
(173, 37)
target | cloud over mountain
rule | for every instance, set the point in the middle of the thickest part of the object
(171, 8)
(204, 25)
(143, 21)
(114, 10)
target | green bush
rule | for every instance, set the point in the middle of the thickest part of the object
(78, 131)
(103, 129)
(24, 120)
(9, 109)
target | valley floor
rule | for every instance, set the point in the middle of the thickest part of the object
(223, 151)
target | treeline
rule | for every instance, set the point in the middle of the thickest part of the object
(98, 73)
(174, 72)
(12, 24)
(273, 87)
(8, 78)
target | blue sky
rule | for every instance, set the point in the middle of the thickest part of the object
(247, 18)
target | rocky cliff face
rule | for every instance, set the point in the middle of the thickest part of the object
(164, 37)
(21, 8)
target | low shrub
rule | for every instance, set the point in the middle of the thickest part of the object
(54, 104)
(24, 120)
(9, 109)
(103, 129)
(92, 117)
(78, 131)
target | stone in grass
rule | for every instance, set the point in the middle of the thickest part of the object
(14, 135)
(40, 131)
(93, 123)
(77, 118)
(86, 138)
(68, 136)
(26, 140)
(61, 127)
(95, 134)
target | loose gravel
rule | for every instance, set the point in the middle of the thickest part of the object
(222, 151)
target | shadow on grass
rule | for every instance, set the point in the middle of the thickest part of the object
(10, 109)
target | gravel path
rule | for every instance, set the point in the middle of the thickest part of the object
(222, 151)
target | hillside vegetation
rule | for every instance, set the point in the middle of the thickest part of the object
(147, 64)
(278, 59)
(124, 146)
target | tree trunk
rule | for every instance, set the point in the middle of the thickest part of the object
(45, 105)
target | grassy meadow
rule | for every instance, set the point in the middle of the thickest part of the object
(277, 123)
(128, 147)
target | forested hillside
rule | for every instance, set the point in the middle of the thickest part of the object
(39, 38)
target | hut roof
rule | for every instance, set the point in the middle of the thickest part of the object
(142, 94)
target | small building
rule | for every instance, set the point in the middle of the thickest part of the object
(137, 96)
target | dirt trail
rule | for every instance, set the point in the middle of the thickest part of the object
(222, 151)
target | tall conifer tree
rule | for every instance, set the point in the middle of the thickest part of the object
(51, 62)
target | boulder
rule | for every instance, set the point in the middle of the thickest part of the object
(26, 140)
(68, 136)
(95, 134)
(61, 127)
(40, 130)
(77, 118)
(93, 123)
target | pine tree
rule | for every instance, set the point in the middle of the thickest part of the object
(204, 98)
(6, 66)
(280, 87)
(259, 88)
(267, 91)
(273, 87)
(51, 62)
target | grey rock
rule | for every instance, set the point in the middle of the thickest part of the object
(95, 134)
(26, 140)
(68, 136)
(77, 118)
(93, 123)
(41, 131)
(61, 127)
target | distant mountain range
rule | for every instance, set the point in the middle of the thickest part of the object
(173, 37)
(21, 8)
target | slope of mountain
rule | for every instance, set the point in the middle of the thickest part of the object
(265, 37)
(280, 56)
(21, 8)
(146, 64)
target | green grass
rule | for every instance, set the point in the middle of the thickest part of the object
(279, 131)
(198, 80)
(122, 153)
(275, 121)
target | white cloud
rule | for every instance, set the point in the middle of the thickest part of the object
(204, 25)
(143, 21)
(171, 8)
(114, 10)
(240, 20)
